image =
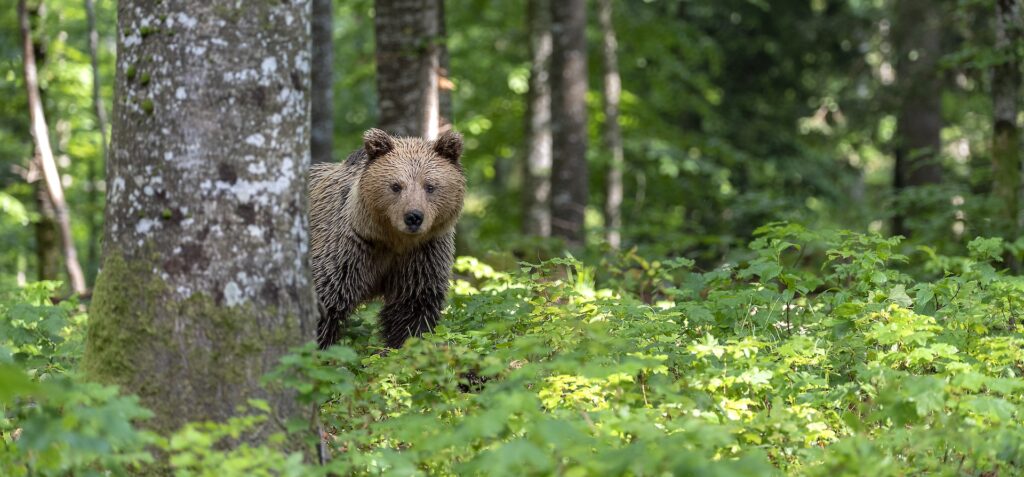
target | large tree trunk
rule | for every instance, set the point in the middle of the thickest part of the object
(537, 173)
(321, 92)
(410, 74)
(569, 119)
(44, 156)
(918, 41)
(1006, 83)
(205, 281)
(93, 172)
(612, 131)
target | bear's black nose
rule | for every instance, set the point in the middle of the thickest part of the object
(413, 219)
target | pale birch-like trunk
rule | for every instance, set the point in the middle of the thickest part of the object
(44, 156)
(612, 130)
(537, 171)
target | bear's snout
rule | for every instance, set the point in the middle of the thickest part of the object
(413, 219)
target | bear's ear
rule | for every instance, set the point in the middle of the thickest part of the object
(449, 146)
(377, 143)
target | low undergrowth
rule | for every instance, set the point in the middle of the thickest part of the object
(822, 353)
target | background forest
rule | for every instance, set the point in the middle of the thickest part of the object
(701, 237)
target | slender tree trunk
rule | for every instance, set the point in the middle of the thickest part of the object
(537, 173)
(1006, 84)
(47, 240)
(918, 42)
(205, 282)
(569, 120)
(322, 92)
(101, 123)
(612, 131)
(44, 156)
(410, 49)
(444, 82)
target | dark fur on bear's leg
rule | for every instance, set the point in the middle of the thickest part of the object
(329, 326)
(339, 290)
(414, 315)
(415, 291)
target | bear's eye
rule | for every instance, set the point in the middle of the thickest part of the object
(429, 188)
(396, 187)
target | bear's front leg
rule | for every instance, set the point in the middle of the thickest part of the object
(343, 281)
(330, 324)
(415, 291)
(411, 315)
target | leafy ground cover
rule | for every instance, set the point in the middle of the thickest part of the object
(820, 353)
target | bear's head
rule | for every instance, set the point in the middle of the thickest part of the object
(413, 187)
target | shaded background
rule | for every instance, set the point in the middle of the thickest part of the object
(734, 113)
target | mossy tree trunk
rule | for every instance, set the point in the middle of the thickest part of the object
(537, 170)
(205, 281)
(569, 120)
(917, 37)
(412, 80)
(1006, 83)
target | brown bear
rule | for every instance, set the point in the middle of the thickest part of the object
(383, 225)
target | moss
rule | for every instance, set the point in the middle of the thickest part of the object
(130, 74)
(187, 360)
(144, 81)
(147, 106)
(146, 31)
(228, 13)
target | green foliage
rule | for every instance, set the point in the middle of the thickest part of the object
(197, 450)
(822, 353)
(51, 422)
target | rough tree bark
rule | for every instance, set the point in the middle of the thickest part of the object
(93, 172)
(205, 281)
(44, 156)
(322, 92)
(1006, 84)
(410, 79)
(537, 173)
(612, 131)
(569, 119)
(917, 37)
(444, 82)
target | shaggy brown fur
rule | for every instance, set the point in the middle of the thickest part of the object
(383, 224)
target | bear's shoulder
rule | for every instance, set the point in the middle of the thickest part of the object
(357, 158)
